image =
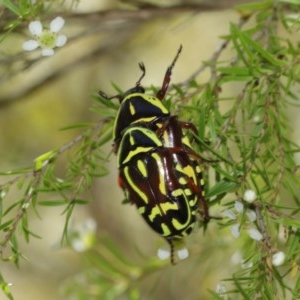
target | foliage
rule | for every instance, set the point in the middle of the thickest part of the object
(242, 115)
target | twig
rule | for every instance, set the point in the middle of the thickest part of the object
(21, 211)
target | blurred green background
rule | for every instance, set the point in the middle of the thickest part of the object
(30, 125)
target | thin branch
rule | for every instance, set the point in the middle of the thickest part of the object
(66, 147)
(214, 57)
(21, 211)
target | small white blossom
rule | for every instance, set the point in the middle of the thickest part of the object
(256, 119)
(235, 230)
(183, 253)
(249, 196)
(230, 214)
(251, 215)
(35, 28)
(236, 258)
(83, 235)
(221, 288)
(239, 206)
(278, 259)
(246, 264)
(163, 253)
(47, 39)
(255, 234)
(2, 194)
(57, 24)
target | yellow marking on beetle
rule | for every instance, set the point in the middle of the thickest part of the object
(179, 226)
(176, 193)
(132, 109)
(162, 209)
(161, 174)
(142, 195)
(198, 169)
(184, 233)
(193, 202)
(186, 141)
(131, 140)
(187, 192)
(182, 180)
(188, 170)
(179, 168)
(152, 100)
(156, 102)
(142, 168)
(141, 210)
(180, 192)
(138, 150)
(202, 181)
(154, 212)
(165, 229)
(146, 120)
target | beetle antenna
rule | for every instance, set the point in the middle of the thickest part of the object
(143, 69)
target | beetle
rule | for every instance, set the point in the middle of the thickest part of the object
(162, 176)
(159, 171)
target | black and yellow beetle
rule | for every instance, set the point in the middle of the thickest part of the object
(159, 171)
(162, 176)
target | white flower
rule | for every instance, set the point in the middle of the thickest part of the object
(236, 258)
(278, 259)
(183, 253)
(230, 214)
(246, 264)
(2, 194)
(251, 215)
(255, 234)
(47, 39)
(163, 253)
(249, 196)
(221, 288)
(83, 236)
(235, 230)
(256, 119)
(239, 206)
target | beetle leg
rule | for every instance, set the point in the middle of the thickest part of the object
(171, 252)
(190, 126)
(201, 201)
(106, 97)
(143, 69)
(162, 92)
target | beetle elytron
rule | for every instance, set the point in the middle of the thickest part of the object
(158, 169)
